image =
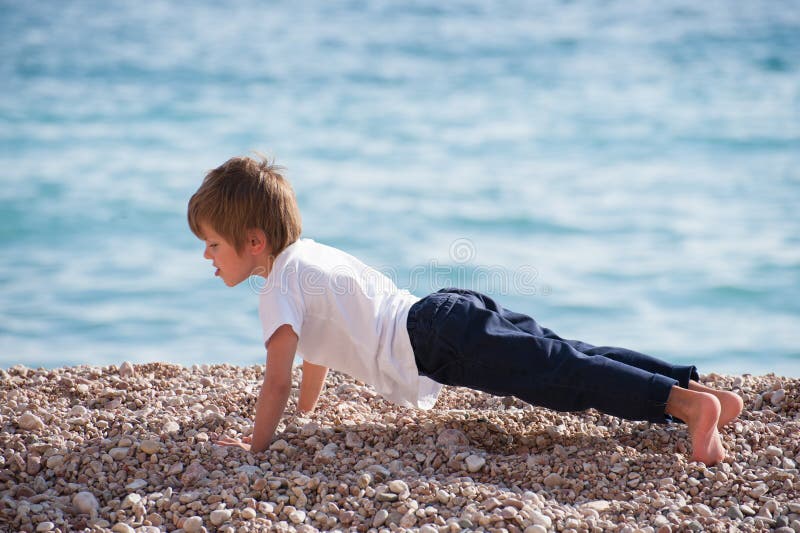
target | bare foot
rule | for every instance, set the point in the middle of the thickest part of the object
(701, 412)
(730, 402)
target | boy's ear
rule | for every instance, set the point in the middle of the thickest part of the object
(257, 241)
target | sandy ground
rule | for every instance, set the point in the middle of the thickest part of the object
(130, 449)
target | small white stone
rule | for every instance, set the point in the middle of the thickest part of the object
(380, 518)
(598, 505)
(474, 462)
(758, 491)
(193, 524)
(78, 410)
(126, 370)
(30, 422)
(130, 500)
(122, 527)
(774, 451)
(703, 510)
(427, 528)
(540, 519)
(536, 528)
(297, 516)
(220, 516)
(136, 484)
(85, 502)
(248, 513)
(398, 486)
(171, 427)
(45, 526)
(778, 396)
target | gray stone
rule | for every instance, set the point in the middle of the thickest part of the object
(85, 502)
(380, 518)
(735, 513)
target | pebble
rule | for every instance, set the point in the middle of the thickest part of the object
(130, 500)
(85, 502)
(193, 524)
(398, 486)
(45, 526)
(540, 519)
(598, 505)
(380, 518)
(122, 527)
(352, 440)
(778, 397)
(327, 454)
(55, 461)
(194, 474)
(774, 451)
(758, 491)
(30, 422)
(150, 446)
(452, 438)
(148, 454)
(136, 484)
(703, 510)
(119, 453)
(126, 370)
(220, 516)
(474, 462)
(535, 528)
(746, 510)
(553, 480)
(735, 512)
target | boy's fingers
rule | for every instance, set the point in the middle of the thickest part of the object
(247, 439)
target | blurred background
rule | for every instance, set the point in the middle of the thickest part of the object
(635, 164)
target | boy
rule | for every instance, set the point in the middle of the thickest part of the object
(334, 311)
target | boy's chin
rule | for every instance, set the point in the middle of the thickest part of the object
(231, 283)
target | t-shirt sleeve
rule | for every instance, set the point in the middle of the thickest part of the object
(279, 306)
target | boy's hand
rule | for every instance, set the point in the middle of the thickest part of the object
(244, 443)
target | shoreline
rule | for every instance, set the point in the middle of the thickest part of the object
(138, 439)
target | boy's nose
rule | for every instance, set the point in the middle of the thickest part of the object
(206, 254)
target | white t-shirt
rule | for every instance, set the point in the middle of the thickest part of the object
(348, 316)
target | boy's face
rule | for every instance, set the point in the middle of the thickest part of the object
(231, 267)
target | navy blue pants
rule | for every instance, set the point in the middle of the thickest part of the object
(464, 338)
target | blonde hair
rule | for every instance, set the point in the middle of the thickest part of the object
(243, 194)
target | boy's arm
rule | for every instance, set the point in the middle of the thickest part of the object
(311, 386)
(276, 387)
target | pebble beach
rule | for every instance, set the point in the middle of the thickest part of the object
(130, 448)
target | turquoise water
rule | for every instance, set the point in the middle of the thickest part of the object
(626, 172)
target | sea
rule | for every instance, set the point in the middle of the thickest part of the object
(626, 172)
